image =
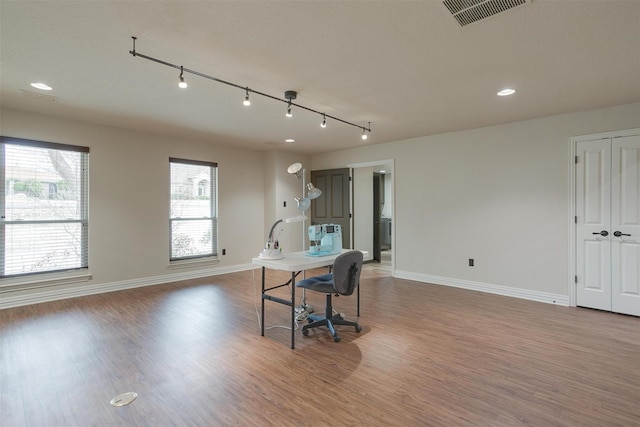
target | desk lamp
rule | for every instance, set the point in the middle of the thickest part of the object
(272, 249)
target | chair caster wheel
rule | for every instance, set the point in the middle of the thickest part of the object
(336, 338)
(358, 328)
(305, 332)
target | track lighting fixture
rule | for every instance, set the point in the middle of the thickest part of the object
(289, 95)
(364, 131)
(182, 84)
(247, 101)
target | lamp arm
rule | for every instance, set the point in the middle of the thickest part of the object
(273, 227)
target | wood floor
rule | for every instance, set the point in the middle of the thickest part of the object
(427, 356)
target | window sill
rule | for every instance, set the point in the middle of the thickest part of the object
(194, 262)
(44, 280)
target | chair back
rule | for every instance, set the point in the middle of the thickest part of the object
(346, 272)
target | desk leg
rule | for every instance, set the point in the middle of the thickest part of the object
(262, 304)
(358, 303)
(293, 309)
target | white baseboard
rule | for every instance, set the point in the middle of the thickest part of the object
(45, 295)
(486, 287)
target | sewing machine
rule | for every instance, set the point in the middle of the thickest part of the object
(326, 239)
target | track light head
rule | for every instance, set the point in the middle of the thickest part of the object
(182, 84)
(364, 133)
(324, 121)
(246, 101)
(290, 95)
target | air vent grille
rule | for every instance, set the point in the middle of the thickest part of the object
(469, 11)
(38, 96)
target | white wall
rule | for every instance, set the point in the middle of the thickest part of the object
(363, 210)
(387, 209)
(498, 194)
(129, 208)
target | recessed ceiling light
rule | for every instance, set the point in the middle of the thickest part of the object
(290, 140)
(506, 92)
(41, 86)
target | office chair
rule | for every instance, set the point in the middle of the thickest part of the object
(343, 280)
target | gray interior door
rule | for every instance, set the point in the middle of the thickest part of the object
(377, 223)
(332, 207)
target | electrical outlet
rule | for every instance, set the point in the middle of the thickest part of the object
(285, 203)
(471, 262)
(224, 252)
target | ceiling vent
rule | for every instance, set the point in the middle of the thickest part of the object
(469, 11)
(38, 96)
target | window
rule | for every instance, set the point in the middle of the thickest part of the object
(43, 207)
(193, 217)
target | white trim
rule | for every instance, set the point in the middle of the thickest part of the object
(41, 280)
(507, 291)
(58, 294)
(571, 284)
(573, 143)
(192, 262)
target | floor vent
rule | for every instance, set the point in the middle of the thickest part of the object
(469, 11)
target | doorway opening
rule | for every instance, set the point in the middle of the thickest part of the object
(373, 212)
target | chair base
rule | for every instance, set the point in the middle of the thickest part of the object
(316, 321)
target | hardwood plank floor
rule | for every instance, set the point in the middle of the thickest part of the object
(427, 356)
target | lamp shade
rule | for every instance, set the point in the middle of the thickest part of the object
(303, 204)
(313, 192)
(295, 169)
(298, 218)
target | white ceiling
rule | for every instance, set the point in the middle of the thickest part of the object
(405, 66)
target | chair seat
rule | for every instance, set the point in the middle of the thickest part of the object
(322, 283)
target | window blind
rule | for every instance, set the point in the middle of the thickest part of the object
(193, 221)
(43, 207)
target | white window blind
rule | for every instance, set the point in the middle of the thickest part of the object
(43, 207)
(193, 217)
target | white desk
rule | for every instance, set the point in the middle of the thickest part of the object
(293, 262)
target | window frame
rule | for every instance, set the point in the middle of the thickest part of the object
(83, 220)
(212, 187)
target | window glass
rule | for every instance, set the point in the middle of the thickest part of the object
(44, 207)
(193, 210)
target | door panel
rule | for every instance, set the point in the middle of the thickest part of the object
(625, 218)
(332, 207)
(593, 257)
(595, 284)
(319, 210)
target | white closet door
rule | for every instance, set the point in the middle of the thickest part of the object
(593, 240)
(625, 225)
(608, 224)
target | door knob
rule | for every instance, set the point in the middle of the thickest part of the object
(604, 233)
(619, 233)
